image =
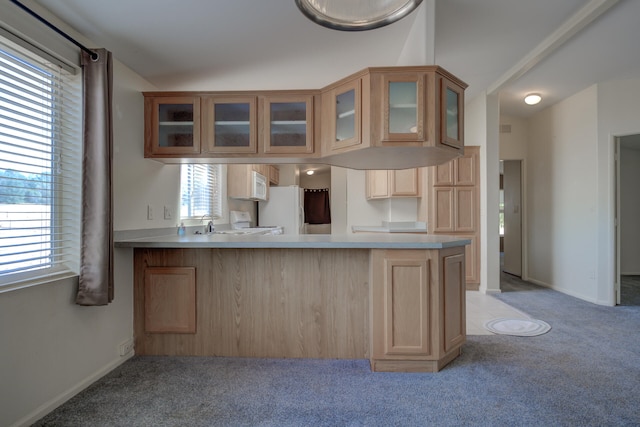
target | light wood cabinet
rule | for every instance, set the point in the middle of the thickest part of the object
(172, 126)
(218, 125)
(406, 106)
(453, 205)
(378, 118)
(408, 288)
(287, 123)
(403, 309)
(274, 175)
(230, 124)
(343, 114)
(383, 184)
(240, 182)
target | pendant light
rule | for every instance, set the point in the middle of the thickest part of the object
(356, 15)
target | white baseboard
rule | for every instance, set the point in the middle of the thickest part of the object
(49, 406)
(569, 292)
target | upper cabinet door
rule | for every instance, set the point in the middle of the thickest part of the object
(345, 123)
(452, 103)
(173, 127)
(231, 124)
(403, 115)
(288, 124)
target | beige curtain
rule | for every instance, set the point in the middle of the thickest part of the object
(96, 256)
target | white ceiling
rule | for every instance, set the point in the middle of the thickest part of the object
(230, 44)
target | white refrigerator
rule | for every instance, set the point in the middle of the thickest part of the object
(285, 208)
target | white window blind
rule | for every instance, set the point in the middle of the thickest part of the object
(40, 167)
(200, 192)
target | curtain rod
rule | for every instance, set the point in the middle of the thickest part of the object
(94, 55)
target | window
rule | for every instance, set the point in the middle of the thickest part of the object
(200, 192)
(40, 168)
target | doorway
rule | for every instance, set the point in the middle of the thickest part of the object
(511, 210)
(628, 226)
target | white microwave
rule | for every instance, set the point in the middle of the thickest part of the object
(258, 186)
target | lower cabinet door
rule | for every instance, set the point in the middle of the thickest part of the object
(401, 299)
(170, 300)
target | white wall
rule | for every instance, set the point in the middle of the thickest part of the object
(513, 145)
(481, 128)
(629, 207)
(562, 198)
(618, 113)
(360, 211)
(51, 347)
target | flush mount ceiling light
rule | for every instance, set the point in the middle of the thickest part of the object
(356, 15)
(532, 99)
(310, 172)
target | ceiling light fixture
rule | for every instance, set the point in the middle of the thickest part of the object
(356, 15)
(310, 172)
(532, 99)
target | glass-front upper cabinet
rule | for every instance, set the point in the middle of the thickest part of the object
(288, 124)
(174, 125)
(345, 125)
(231, 124)
(452, 102)
(403, 104)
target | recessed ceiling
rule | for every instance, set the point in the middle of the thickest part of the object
(242, 45)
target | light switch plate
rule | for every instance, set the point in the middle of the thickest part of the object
(149, 212)
(168, 212)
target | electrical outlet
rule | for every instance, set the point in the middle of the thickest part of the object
(168, 212)
(149, 212)
(126, 347)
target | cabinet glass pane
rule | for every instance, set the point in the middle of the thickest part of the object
(452, 114)
(232, 126)
(175, 125)
(403, 107)
(288, 124)
(345, 115)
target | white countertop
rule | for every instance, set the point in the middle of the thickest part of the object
(364, 241)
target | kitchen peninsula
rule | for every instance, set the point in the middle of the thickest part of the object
(398, 300)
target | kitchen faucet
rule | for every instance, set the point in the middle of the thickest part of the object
(209, 228)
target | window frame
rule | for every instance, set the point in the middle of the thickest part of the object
(30, 83)
(213, 180)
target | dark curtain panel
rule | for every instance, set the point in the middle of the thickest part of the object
(316, 206)
(96, 253)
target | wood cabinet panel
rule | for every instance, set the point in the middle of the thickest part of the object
(405, 183)
(453, 205)
(377, 182)
(417, 305)
(444, 174)
(230, 124)
(383, 184)
(406, 293)
(344, 124)
(170, 300)
(465, 209)
(287, 124)
(403, 106)
(451, 116)
(274, 175)
(472, 259)
(453, 304)
(443, 210)
(172, 126)
(266, 303)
